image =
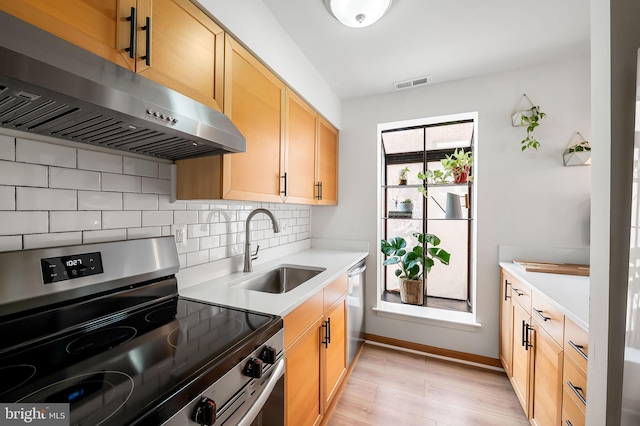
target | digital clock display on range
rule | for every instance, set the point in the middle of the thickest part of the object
(63, 268)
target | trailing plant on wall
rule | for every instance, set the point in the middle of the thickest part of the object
(531, 120)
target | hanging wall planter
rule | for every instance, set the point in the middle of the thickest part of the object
(531, 118)
(578, 152)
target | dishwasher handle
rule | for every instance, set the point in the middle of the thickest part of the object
(357, 270)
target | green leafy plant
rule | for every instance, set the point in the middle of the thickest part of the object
(531, 120)
(458, 163)
(402, 177)
(407, 201)
(580, 147)
(415, 262)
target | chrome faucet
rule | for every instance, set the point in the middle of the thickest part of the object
(248, 257)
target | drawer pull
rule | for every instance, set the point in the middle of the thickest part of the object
(542, 316)
(518, 292)
(506, 283)
(579, 348)
(577, 391)
(568, 423)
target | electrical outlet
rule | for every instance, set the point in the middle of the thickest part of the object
(180, 232)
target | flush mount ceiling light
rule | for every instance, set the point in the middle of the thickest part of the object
(357, 13)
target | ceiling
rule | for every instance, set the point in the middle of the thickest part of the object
(445, 39)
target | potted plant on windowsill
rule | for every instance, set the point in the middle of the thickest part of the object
(459, 164)
(402, 176)
(413, 264)
(406, 205)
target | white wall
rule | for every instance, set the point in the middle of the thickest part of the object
(523, 198)
(253, 24)
(55, 195)
(615, 38)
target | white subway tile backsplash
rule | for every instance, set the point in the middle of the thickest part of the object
(139, 167)
(186, 217)
(196, 231)
(156, 218)
(149, 232)
(123, 219)
(52, 240)
(121, 183)
(19, 223)
(28, 151)
(197, 257)
(156, 186)
(74, 221)
(7, 197)
(104, 235)
(140, 202)
(74, 179)
(7, 148)
(22, 174)
(111, 197)
(99, 161)
(11, 243)
(164, 203)
(96, 200)
(45, 199)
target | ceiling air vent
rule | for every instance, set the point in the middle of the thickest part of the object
(408, 84)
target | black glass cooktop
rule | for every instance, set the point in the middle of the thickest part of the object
(132, 362)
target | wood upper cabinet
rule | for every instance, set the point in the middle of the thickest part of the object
(546, 407)
(90, 24)
(506, 321)
(299, 167)
(254, 97)
(186, 48)
(327, 164)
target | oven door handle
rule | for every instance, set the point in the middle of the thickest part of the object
(255, 409)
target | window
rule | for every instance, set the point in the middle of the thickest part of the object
(420, 148)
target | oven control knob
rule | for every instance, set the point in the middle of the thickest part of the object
(268, 355)
(205, 412)
(253, 368)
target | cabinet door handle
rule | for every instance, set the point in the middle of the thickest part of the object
(132, 36)
(579, 348)
(285, 184)
(517, 291)
(147, 56)
(568, 423)
(539, 312)
(325, 325)
(319, 186)
(527, 343)
(506, 283)
(523, 333)
(578, 391)
(328, 330)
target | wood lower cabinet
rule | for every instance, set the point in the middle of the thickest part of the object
(546, 408)
(315, 354)
(506, 322)
(90, 24)
(549, 355)
(521, 367)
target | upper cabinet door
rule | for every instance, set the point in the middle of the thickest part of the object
(90, 24)
(300, 150)
(183, 49)
(327, 187)
(254, 97)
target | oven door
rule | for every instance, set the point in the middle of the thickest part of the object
(268, 409)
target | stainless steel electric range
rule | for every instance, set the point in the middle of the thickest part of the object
(102, 328)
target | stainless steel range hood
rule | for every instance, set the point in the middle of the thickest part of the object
(54, 88)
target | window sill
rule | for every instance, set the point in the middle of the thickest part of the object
(431, 316)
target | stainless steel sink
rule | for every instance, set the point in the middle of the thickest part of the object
(280, 280)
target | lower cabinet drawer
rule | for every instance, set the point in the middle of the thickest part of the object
(572, 415)
(575, 381)
(549, 317)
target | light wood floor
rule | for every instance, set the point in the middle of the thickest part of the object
(389, 387)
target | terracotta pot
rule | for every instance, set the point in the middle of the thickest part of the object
(411, 291)
(460, 175)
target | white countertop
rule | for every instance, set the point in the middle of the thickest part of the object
(221, 291)
(569, 293)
